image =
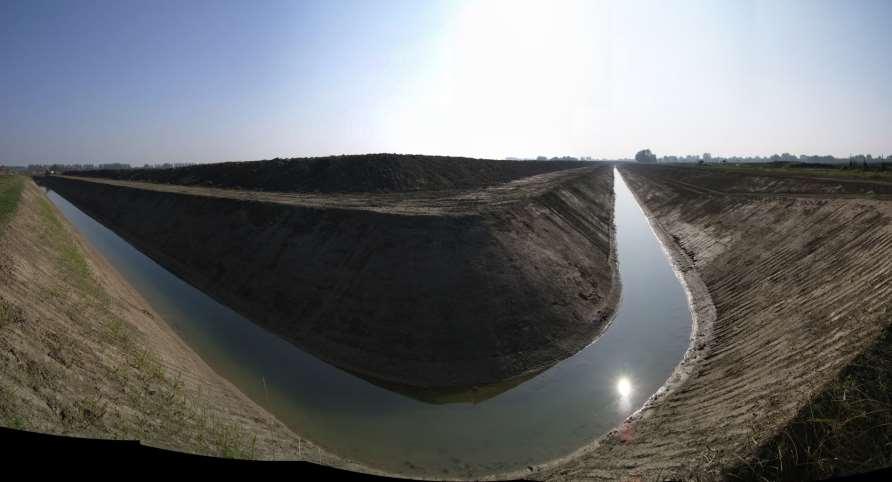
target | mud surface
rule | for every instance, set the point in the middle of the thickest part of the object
(800, 281)
(425, 289)
(81, 353)
(356, 173)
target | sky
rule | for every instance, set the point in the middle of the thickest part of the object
(206, 81)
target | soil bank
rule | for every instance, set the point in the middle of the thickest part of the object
(81, 353)
(428, 289)
(800, 284)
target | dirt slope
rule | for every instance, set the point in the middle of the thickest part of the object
(800, 287)
(355, 173)
(82, 354)
(429, 290)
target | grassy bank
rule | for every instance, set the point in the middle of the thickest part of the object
(82, 354)
(10, 193)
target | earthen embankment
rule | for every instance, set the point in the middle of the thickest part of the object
(429, 289)
(801, 287)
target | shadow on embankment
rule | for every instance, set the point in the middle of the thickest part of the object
(432, 301)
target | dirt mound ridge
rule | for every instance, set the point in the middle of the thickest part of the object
(354, 173)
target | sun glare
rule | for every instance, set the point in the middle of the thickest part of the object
(509, 77)
(624, 387)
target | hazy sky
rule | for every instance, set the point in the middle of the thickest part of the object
(142, 81)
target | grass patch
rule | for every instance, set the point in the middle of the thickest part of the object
(73, 264)
(845, 430)
(92, 373)
(230, 441)
(9, 416)
(10, 193)
(174, 413)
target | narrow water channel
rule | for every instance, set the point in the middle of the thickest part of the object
(543, 418)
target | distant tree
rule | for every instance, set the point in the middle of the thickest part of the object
(707, 157)
(646, 156)
(787, 157)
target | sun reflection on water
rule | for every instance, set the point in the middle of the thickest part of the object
(624, 389)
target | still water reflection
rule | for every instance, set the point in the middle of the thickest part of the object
(507, 428)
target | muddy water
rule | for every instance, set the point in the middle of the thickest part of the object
(540, 419)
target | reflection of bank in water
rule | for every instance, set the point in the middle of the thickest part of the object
(473, 395)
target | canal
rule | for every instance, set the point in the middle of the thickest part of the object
(490, 431)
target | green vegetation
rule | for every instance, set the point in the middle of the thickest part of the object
(646, 156)
(10, 193)
(164, 397)
(161, 397)
(8, 415)
(72, 261)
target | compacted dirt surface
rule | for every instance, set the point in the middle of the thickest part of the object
(434, 289)
(792, 292)
(81, 353)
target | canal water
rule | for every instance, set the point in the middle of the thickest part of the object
(545, 417)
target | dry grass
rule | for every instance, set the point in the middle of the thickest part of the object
(79, 355)
(845, 430)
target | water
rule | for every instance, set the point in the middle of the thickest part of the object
(545, 417)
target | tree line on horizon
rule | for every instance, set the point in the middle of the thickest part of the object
(854, 161)
(857, 161)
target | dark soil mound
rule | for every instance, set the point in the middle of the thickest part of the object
(425, 300)
(360, 173)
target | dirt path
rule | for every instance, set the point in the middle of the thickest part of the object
(800, 287)
(434, 203)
